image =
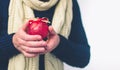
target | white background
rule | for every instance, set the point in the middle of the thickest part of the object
(101, 20)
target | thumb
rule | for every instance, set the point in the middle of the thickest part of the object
(51, 31)
(24, 27)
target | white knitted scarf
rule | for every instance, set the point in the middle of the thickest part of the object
(22, 10)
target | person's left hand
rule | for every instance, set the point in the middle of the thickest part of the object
(53, 40)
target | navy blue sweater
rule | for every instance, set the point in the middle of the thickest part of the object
(74, 51)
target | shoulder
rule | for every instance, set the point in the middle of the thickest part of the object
(75, 2)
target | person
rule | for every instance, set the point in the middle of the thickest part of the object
(21, 51)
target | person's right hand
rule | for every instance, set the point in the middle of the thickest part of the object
(28, 45)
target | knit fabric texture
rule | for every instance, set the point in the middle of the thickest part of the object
(20, 11)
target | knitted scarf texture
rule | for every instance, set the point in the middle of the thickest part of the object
(21, 11)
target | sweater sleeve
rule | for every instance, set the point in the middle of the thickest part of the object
(74, 51)
(7, 49)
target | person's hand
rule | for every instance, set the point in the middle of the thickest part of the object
(53, 40)
(33, 45)
(28, 45)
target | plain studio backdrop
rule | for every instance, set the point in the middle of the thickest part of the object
(101, 20)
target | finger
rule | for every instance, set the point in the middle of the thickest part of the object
(24, 35)
(25, 26)
(29, 55)
(34, 44)
(51, 30)
(33, 50)
(28, 37)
